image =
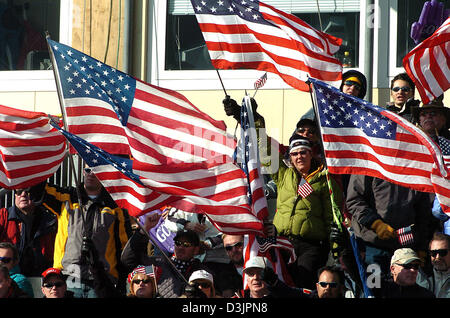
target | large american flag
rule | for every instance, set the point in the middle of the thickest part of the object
(428, 64)
(30, 149)
(361, 138)
(123, 115)
(253, 35)
(180, 155)
(248, 157)
(221, 195)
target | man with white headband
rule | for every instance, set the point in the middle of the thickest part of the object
(305, 218)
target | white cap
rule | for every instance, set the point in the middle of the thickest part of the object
(256, 261)
(201, 274)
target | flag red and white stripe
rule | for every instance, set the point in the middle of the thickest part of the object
(428, 64)
(181, 156)
(260, 81)
(361, 138)
(254, 35)
(304, 188)
(31, 150)
(252, 248)
(405, 236)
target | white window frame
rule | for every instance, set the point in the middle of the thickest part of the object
(209, 79)
(39, 80)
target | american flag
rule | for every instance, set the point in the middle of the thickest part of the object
(261, 81)
(405, 236)
(304, 188)
(123, 115)
(444, 144)
(30, 149)
(253, 35)
(180, 154)
(248, 157)
(220, 192)
(361, 138)
(428, 64)
(270, 248)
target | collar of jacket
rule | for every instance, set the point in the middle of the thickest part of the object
(104, 198)
(47, 218)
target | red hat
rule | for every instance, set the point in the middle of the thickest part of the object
(52, 271)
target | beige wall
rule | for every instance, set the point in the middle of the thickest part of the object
(280, 108)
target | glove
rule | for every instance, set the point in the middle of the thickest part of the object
(384, 231)
(231, 107)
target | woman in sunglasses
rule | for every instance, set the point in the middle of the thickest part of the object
(142, 282)
(303, 216)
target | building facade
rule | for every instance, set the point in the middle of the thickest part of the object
(159, 42)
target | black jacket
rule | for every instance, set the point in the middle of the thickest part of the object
(389, 289)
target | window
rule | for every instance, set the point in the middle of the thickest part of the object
(186, 49)
(23, 24)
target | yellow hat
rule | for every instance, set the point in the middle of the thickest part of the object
(354, 79)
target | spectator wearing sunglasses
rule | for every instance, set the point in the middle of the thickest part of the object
(32, 229)
(439, 281)
(142, 283)
(8, 287)
(54, 284)
(354, 83)
(331, 282)
(99, 220)
(201, 285)
(228, 275)
(168, 276)
(405, 264)
(402, 95)
(305, 219)
(9, 257)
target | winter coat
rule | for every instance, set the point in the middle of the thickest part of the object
(309, 218)
(369, 199)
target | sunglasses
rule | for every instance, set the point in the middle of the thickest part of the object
(403, 89)
(51, 285)
(184, 244)
(442, 252)
(5, 260)
(145, 281)
(414, 266)
(306, 130)
(351, 83)
(204, 285)
(325, 284)
(19, 192)
(301, 152)
(237, 245)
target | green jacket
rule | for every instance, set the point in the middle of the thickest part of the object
(311, 217)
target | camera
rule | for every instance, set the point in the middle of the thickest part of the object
(192, 290)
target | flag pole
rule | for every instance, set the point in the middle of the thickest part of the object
(61, 103)
(223, 86)
(167, 258)
(338, 218)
